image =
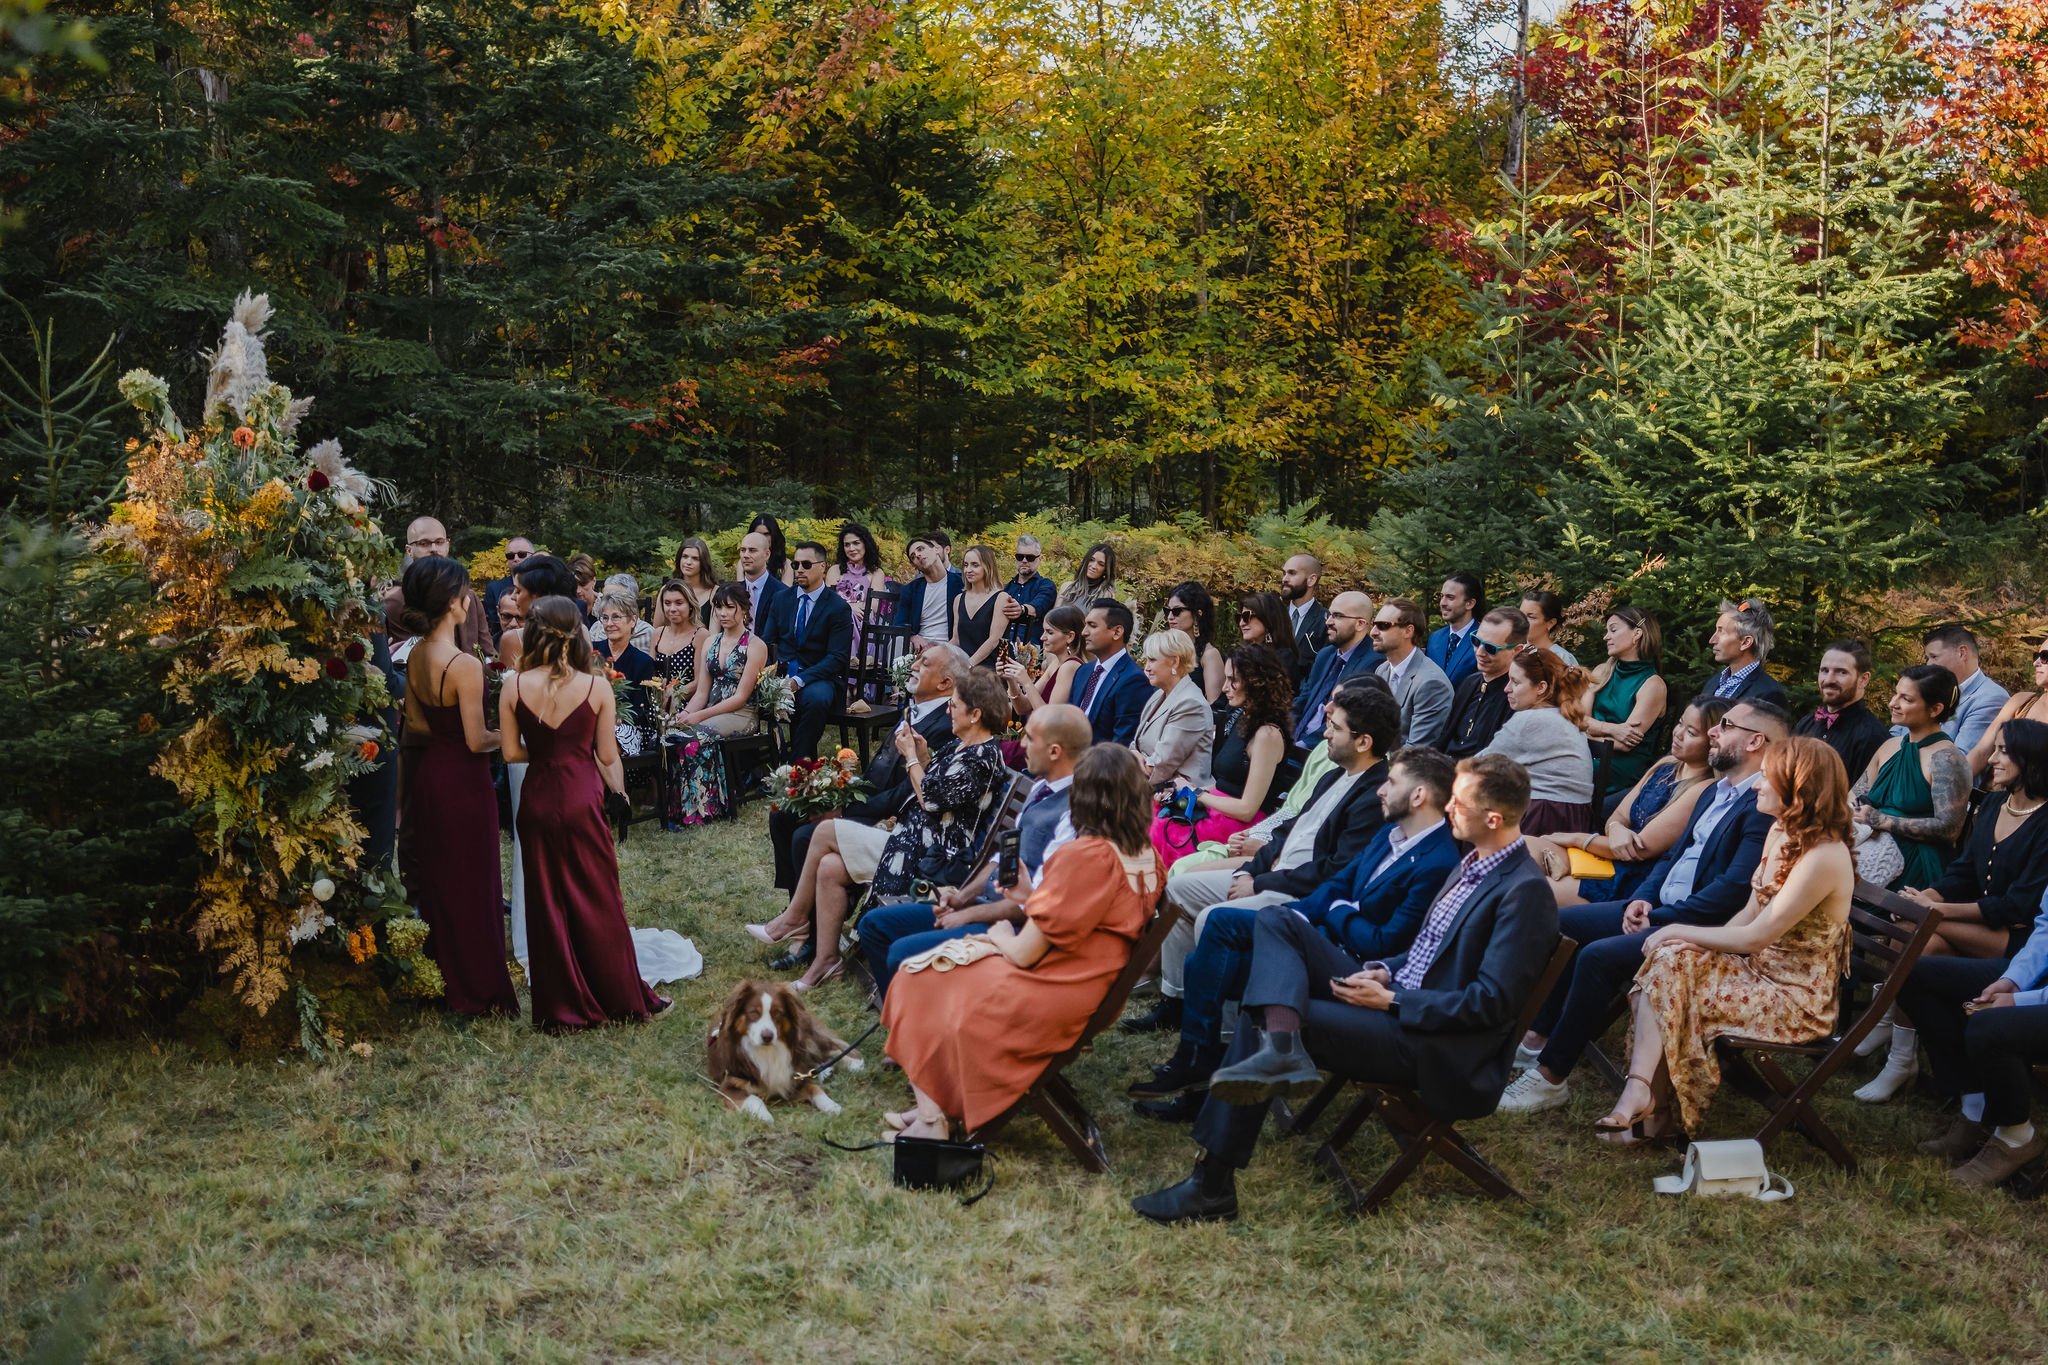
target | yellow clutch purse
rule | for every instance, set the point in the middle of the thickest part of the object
(1585, 864)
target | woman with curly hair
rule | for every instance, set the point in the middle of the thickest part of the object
(1261, 693)
(1772, 972)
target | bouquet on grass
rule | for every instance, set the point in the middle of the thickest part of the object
(774, 699)
(811, 787)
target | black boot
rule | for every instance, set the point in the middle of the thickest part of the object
(1163, 1017)
(1185, 1107)
(1188, 1068)
(1281, 1066)
(1208, 1195)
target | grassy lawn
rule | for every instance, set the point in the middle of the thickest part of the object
(489, 1193)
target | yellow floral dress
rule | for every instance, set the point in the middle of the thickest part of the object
(1784, 992)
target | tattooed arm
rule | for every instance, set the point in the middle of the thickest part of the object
(1948, 773)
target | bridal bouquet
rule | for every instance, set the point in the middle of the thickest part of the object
(773, 698)
(811, 787)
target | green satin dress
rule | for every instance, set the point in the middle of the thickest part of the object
(1613, 703)
(1901, 789)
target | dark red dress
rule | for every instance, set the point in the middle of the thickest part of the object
(451, 825)
(581, 964)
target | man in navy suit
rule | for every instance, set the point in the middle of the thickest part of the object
(1112, 690)
(1370, 910)
(763, 588)
(811, 634)
(1741, 641)
(1462, 601)
(1347, 623)
(1701, 879)
(930, 620)
(1438, 1017)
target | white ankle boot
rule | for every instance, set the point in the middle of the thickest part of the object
(1878, 1037)
(1899, 1068)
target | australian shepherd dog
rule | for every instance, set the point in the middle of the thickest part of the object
(765, 1045)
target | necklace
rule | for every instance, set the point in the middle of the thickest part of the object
(2011, 809)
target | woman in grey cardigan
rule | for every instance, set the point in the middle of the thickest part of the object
(1177, 730)
(1547, 735)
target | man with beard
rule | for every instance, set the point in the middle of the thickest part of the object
(1842, 721)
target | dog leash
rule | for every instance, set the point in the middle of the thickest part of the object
(823, 1067)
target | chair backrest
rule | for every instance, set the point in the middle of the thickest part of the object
(1887, 935)
(1553, 972)
(882, 641)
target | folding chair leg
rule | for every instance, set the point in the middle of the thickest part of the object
(1790, 1107)
(1306, 1116)
(1453, 1148)
(1597, 1057)
(1395, 1176)
(1055, 1102)
(1354, 1119)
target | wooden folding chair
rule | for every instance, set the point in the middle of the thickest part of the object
(1417, 1132)
(1050, 1096)
(1888, 935)
(882, 642)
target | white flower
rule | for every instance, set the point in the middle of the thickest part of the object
(318, 761)
(311, 921)
(239, 369)
(152, 396)
(363, 734)
(323, 890)
(319, 725)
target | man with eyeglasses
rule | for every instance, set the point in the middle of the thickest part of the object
(517, 551)
(427, 536)
(1028, 596)
(1419, 686)
(1701, 879)
(1347, 623)
(1479, 701)
(811, 632)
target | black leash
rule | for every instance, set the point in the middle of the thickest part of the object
(844, 1052)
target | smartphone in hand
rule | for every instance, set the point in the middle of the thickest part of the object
(1007, 860)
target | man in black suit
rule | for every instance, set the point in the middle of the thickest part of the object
(1741, 641)
(517, 551)
(931, 692)
(1439, 1017)
(1844, 721)
(1299, 578)
(1479, 700)
(811, 634)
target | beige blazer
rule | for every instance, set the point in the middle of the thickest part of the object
(1176, 733)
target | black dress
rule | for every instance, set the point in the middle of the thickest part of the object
(975, 627)
(1230, 767)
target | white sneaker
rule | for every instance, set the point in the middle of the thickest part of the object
(1531, 1093)
(1896, 1076)
(1526, 1057)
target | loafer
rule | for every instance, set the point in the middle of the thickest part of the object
(1185, 1107)
(1268, 1074)
(1961, 1142)
(1186, 1203)
(1997, 1162)
(795, 960)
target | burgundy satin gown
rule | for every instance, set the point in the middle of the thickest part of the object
(580, 949)
(451, 824)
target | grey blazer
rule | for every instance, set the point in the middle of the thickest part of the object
(1425, 694)
(1176, 733)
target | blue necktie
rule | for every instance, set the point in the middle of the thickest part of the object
(1088, 692)
(803, 614)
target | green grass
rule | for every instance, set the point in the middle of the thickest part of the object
(488, 1193)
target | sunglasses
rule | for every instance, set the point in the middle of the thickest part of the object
(1386, 625)
(1243, 617)
(1178, 611)
(1727, 724)
(1488, 648)
(514, 556)
(804, 563)
(2041, 656)
(1027, 559)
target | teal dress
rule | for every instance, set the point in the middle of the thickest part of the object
(1613, 704)
(1901, 789)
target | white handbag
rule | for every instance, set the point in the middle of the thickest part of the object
(1879, 859)
(1735, 1166)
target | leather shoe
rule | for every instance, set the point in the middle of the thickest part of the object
(1187, 1202)
(795, 960)
(1185, 1107)
(1281, 1067)
(1188, 1069)
(1962, 1141)
(1163, 1017)
(1996, 1162)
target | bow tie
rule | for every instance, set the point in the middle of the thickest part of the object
(1826, 717)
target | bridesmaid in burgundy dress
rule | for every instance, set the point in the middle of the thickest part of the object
(451, 810)
(557, 717)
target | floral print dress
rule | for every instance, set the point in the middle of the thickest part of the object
(697, 783)
(942, 830)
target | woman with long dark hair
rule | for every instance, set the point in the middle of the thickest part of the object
(973, 1039)
(1261, 693)
(778, 545)
(722, 706)
(1094, 578)
(857, 571)
(1189, 607)
(697, 572)
(558, 716)
(450, 830)
(1262, 619)
(1917, 787)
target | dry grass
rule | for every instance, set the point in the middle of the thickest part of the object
(488, 1193)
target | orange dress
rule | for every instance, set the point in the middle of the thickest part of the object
(976, 1037)
(1784, 992)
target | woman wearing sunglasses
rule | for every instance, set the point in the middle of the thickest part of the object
(2020, 706)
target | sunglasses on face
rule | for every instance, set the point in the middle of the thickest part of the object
(514, 556)
(1178, 610)
(2041, 656)
(1385, 625)
(1243, 617)
(1489, 649)
(1026, 559)
(803, 563)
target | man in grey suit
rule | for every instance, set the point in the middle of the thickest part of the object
(1439, 1017)
(1422, 689)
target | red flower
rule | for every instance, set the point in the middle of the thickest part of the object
(317, 481)
(245, 437)
(355, 651)
(336, 669)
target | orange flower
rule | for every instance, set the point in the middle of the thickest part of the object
(848, 756)
(369, 751)
(245, 437)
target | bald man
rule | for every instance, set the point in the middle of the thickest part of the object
(1347, 654)
(427, 536)
(1300, 576)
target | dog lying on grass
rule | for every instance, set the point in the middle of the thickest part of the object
(766, 1045)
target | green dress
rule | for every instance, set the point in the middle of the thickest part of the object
(1901, 789)
(1613, 704)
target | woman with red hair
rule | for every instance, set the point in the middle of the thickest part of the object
(1772, 972)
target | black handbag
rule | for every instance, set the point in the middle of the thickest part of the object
(936, 1164)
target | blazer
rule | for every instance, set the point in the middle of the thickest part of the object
(1176, 732)
(1369, 914)
(771, 588)
(1460, 1023)
(1425, 695)
(1324, 678)
(1309, 638)
(1118, 701)
(1039, 595)
(1729, 860)
(1457, 660)
(910, 606)
(1342, 837)
(888, 777)
(494, 592)
(821, 655)
(1758, 686)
